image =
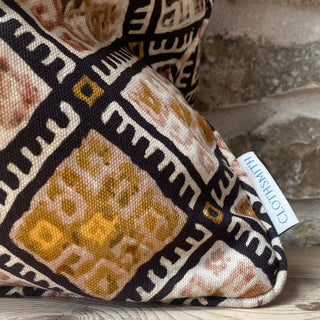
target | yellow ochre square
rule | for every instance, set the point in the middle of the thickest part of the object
(90, 98)
(45, 234)
(98, 228)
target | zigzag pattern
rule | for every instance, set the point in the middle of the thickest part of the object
(140, 14)
(162, 269)
(17, 292)
(159, 160)
(245, 239)
(23, 163)
(23, 271)
(163, 46)
(171, 268)
(112, 67)
(43, 56)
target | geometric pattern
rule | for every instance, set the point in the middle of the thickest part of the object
(98, 214)
(111, 185)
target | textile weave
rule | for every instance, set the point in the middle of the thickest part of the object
(111, 185)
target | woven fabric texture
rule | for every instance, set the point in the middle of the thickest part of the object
(111, 185)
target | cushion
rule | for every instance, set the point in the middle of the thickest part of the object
(111, 185)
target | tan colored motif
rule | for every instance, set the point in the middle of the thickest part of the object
(223, 272)
(21, 92)
(82, 24)
(178, 14)
(190, 118)
(165, 107)
(97, 219)
(7, 279)
(17, 95)
(244, 208)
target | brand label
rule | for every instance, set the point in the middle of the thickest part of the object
(277, 206)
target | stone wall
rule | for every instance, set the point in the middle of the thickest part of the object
(260, 87)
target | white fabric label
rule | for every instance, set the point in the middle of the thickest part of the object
(277, 206)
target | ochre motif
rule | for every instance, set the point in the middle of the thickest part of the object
(244, 208)
(213, 213)
(165, 108)
(85, 83)
(97, 219)
(137, 48)
(151, 98)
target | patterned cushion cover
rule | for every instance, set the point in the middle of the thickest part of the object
(111, 186)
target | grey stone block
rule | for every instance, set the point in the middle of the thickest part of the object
(256, 49)
(237, 70)
(306, 233)
(288, 144)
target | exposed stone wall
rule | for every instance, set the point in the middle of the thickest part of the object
(260, 87)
